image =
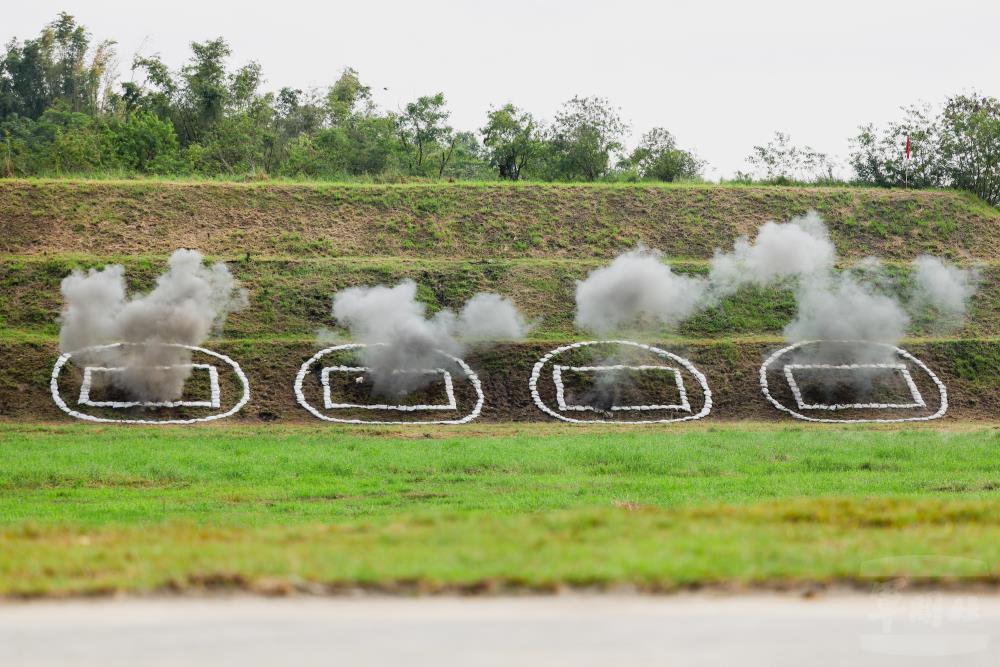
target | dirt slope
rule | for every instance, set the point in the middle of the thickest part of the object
(471, 221)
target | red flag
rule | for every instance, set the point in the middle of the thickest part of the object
(907, 147)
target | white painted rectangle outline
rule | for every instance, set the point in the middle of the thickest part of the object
(88, 375)
(557, 370)
(918, 399)
(449, 390)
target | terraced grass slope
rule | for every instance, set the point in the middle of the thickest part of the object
(470, 221)
(294, 245)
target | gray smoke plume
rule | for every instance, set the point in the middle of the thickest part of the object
(188, 301)
(829, 305)
(856, 304)
(488, 317)
(840, 307)
(401, 337)
(636, 291)
(860, 303)
(801, 247)
(942, 289)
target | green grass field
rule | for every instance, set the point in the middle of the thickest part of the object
(91, 509)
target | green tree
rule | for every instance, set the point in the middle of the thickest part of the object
(205, 94)
(338, 132)
(202, 94)
(370, 140)
(348, 98)
(585, 134)
(423, 131)
(878, 154)
(60, 142)
(969, 145)
(59, 66)
(781, 161)
(657, 157)
(511, 140)
(465, 160)
(144, 143)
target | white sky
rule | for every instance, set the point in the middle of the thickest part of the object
(721, 75)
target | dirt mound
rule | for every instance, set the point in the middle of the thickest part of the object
(967, 368)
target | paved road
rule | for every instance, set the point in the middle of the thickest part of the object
(573, 630)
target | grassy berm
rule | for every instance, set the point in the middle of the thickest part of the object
(272, 501)
(294, 245)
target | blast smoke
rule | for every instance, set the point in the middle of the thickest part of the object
(798, 248)
(491, 317)
(839, 307)
(830, 305)
(944, 289)
(855, 304)
(401, 337)
(188, 301)
(636, 291)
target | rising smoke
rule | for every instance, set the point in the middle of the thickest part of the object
(860, 303)
(401, 337)
(798, 248)
(830, 304)
(638, 292)
(187, 303)
(840, 307)
(942, 289)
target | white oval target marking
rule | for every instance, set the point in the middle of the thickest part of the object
(536, 373)
(918, 400)
(469, 374)
(84, 393)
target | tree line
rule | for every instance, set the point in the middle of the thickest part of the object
(64, 110)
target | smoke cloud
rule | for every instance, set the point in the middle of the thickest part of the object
(943, 289)
(840, 307)
(187, 303)
(801, 247)
(489, 317)
(401, 337)
(637, 291)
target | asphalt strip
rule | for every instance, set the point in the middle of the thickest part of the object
(579, 630)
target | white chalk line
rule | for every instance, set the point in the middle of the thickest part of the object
(557, 371)
(213, 373)
(66, 356)
(918, 399)
(943, 391)
(328, 403)
(466, 369)
(698, 375)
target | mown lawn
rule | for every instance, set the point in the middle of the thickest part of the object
(100, 509)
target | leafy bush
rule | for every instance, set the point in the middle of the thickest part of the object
(959, 147)
(658, 158)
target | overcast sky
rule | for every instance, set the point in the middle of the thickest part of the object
(721, 75)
